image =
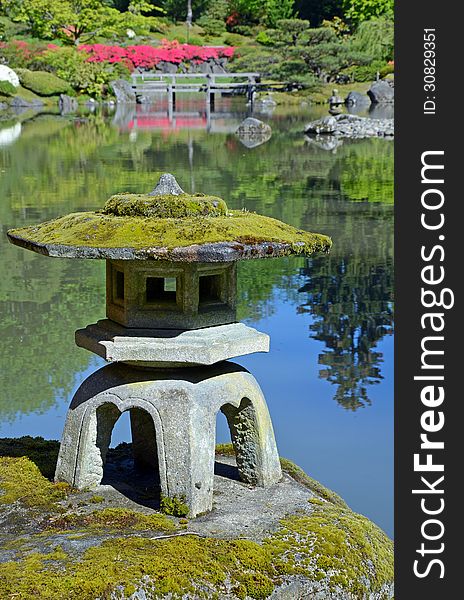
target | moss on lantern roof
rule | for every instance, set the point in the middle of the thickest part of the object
(164, 206)
(167, 224)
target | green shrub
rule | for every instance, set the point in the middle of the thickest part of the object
(85, 77)
(7, 88)
(387, 70)
(43, 83)
(211, 26)
(253, 60)
(235, 39)
(245, 30)
(364, 73)
(264, 38)
(376, 38)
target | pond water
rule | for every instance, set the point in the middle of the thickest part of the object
(328, 378)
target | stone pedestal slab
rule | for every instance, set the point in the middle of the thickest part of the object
(164, 347)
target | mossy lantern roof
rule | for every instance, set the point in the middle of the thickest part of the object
(167, 224)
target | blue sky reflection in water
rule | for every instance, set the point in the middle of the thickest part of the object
(328, 379)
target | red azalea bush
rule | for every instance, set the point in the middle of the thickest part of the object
(23, 54)
(147, 57)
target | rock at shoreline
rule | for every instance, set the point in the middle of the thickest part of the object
(295, 539)
(7, 74)
(381, 92)
(357, 99)
(67, 104)
(253, 132)
(19, 102)
(351, 126)
(123, 91)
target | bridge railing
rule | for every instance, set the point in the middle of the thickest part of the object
(186, 80)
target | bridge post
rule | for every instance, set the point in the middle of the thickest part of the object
(209, 91)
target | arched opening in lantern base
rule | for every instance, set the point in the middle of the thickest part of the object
(129, 453)
(240, 460)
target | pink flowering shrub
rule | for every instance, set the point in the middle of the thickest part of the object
(22, 54)
(147, 57)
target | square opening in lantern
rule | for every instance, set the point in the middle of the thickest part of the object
(118, 289)
(210, 290)
(161, 290)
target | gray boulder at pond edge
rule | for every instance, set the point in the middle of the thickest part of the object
(356, 99)
(67, 104)
(381, 92)
(252, 126)
(123, 91)
(252, 132)
(18, 102)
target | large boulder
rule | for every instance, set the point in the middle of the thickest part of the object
(67, 104)
(381, 92)
(357, 99)
(253, 132)
(324, 125)
(295, 539)
(7, 74)
(123, 91)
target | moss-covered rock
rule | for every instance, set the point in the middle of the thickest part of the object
(327, 550)
(43, 83)
(20, 479)
(7, 88)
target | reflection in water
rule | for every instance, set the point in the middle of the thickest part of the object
(82, 162)
(353, 311)
(59, 165)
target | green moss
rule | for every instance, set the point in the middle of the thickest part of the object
(7, 88)
(331, 543)
(167, 206)
(299, 475)
(336, 543)
(96, 499)
(20, 479)
(176, 566)
(98, 230)
(174, 506)
(114, 519)
(43, 83)
(44, 453)
(225, 449)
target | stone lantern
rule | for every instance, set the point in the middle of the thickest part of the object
(171, 326)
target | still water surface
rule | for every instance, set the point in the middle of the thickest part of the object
(328, 379)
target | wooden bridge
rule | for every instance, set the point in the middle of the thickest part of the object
(209, 83)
